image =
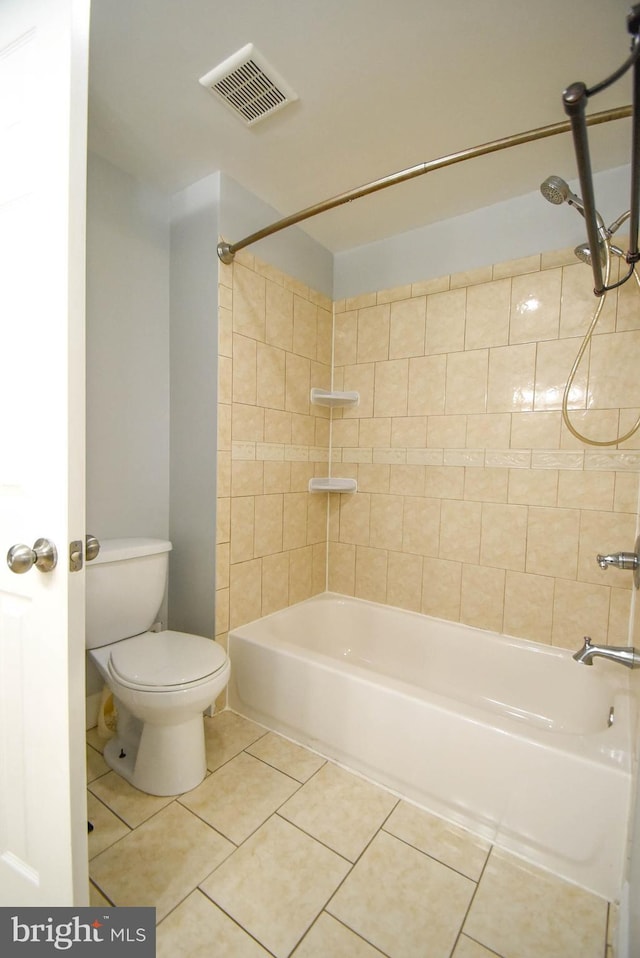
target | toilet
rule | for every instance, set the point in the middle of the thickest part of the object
(161, 681)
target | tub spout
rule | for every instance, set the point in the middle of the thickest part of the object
(623, 654)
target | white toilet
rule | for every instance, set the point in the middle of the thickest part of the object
(161, 681)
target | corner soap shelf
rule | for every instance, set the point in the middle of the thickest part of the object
(326, 397)
(329, 484)
(333, 399)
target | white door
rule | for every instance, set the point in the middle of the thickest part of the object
(43, 105)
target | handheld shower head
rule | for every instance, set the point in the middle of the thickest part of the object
(555, 190)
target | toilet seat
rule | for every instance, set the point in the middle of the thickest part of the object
(165, 661)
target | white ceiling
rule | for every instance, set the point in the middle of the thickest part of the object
(383, 85)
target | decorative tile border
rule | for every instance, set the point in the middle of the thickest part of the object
(563, 459)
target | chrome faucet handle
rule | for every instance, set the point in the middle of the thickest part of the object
(621, 560)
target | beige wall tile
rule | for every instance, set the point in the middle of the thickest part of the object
(277, 425)
(360, 378)
(514, 267)
(409, 431)
(626, 492)
(535, 430)
(342, 568)
(385, 529)
(511, 378)
(345, 432)
(305, 327)
(298, 383)
(488, 314)
(552, 542)
(425, 287)
(346, 338)
(249, 303)
(460, 525)
(270, 363)
(535, 307)
(242, 528)
(361, 301)
(446, 432)
(619, 617)
(486, 485)
(597, 424)
(300, 574)
(275, 583)
(466, 382)
(533, 487)
(373, 477)
(247, 423)
(223, 519)
(244, 369)
(488, 431)
(441, 588)
(407, 480)
(482, 597)
(279, 316)
(222, 611)
(277, 477)
(504, 536)
(268, 525)
(295, 520)
(444, 482)
(471, 277)
(427, 385)
(421, 526)
(225, 379)
(404, 581)
(393, 294)
(586, 490)
(247, 478)
(373, 334)
(528, 606)
(554, 362)
(391, 388)
(324, 341)
(355, 514)
(613, 380)
(225, 331)
(375, 432)
(446, 321)
(579, 609)
(245, 599)
(408, 328)
(371, 574)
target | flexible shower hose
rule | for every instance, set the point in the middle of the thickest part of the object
(578, 359)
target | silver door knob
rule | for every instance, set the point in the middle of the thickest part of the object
(91, 547)
(43, 556)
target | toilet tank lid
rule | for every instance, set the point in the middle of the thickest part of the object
(113, 550)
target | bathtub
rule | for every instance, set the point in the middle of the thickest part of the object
(513, 740)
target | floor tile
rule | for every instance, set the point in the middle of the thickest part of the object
(96, 765)
(107, 827)
(523, 912)
(404, 902)
(129, 803)
(451, 845)
(97, 899)
(198, 929)
(161, 861)
(226, 734)
(240, 796)
(330, 939)
(339, 809)
(276, 884)
(96, 740)
(467, 948)
(292, 759)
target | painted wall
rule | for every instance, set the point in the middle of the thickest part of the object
(127, 355)
(193, 352)
(518, 228)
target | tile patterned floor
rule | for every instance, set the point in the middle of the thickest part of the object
(281, 853)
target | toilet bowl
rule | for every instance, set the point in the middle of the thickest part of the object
(161, 681)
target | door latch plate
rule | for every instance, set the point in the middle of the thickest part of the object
(75, 555)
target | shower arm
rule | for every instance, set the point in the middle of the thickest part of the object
(574, 100)
(226, 251)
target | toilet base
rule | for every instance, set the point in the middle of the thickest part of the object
(159, 759)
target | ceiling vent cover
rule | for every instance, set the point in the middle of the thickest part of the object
(247, 84)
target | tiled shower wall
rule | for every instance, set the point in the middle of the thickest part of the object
(274, 345)
(474, 502)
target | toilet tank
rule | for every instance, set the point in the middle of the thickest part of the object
(125, 585)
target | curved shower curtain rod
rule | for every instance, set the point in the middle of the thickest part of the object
(227, 251)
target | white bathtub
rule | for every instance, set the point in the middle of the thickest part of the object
(507, 737)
